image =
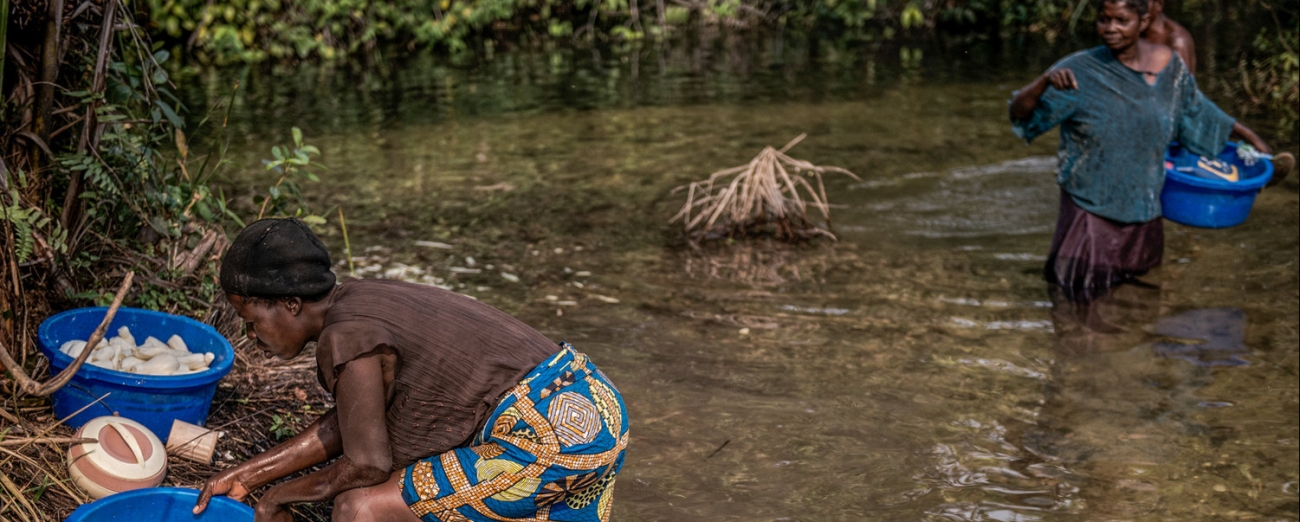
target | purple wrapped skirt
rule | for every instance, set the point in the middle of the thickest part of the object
(1091, 254)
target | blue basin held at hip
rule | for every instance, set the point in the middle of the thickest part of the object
(1211, 192)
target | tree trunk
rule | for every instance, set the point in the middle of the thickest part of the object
(4, 37)
(50, 58)
(90, 130)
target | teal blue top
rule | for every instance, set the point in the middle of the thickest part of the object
(1115, 128)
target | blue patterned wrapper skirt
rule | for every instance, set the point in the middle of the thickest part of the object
(549, 451)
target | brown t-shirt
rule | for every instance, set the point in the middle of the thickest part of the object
(456, 357)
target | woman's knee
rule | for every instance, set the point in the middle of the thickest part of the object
(381, 502)
(349, 506)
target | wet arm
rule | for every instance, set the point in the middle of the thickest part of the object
(1026, 99)
(367, 458)
(318, 443)
(314, 445)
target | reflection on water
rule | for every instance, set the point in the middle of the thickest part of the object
(916, 370)
(1005, 198)
(1114, 405)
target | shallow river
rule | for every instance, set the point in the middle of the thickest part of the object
(915, 370)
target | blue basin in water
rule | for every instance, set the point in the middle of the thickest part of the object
(160, 505)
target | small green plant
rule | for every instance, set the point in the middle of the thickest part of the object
(282, 426)
(38, 491)
(284, 198)
(30, 225)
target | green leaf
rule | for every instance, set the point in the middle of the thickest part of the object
(313, 219)
(297, 137)
(172, 117)
(204, 210)
(159, 225)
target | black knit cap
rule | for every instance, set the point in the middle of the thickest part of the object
(277, 257)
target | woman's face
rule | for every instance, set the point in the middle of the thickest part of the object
(276, 325)
(1119, 25)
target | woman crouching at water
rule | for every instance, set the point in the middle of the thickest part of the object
(1119, 106)
(446, 409)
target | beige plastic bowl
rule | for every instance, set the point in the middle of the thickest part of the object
(126, 456)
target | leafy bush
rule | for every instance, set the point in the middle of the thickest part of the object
(256, 30)
(1270, 78)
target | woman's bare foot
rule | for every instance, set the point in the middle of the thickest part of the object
(1283, 164)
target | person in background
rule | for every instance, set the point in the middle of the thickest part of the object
(1165, 31)
(1118, 105)
(446, 408)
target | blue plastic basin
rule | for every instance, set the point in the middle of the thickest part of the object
(1211, 203)
(152, 400)
(160, 505)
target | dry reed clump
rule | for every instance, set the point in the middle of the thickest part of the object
(763, 197)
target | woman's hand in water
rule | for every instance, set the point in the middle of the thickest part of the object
(1062, 79)
(225, 483)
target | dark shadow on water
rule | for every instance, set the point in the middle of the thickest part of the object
(1131, 315)
(1207, 337)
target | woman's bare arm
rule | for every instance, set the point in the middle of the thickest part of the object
(1243, 132)
(318, 443)
(367, 457)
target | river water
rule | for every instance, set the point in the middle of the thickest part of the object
(917, 369)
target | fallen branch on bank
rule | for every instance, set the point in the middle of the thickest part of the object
(43, 440)
(31, 386)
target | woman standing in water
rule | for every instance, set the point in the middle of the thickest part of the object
(1119, 106)
(446, 409)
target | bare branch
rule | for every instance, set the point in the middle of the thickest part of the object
(31, 386)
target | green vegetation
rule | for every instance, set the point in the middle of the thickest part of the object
(97, 181)
(283, 426)
(1270, 78)
(256, 30)
(243, 31)
(284, 198)
(97, 177)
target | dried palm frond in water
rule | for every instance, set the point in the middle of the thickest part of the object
(770, 194)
